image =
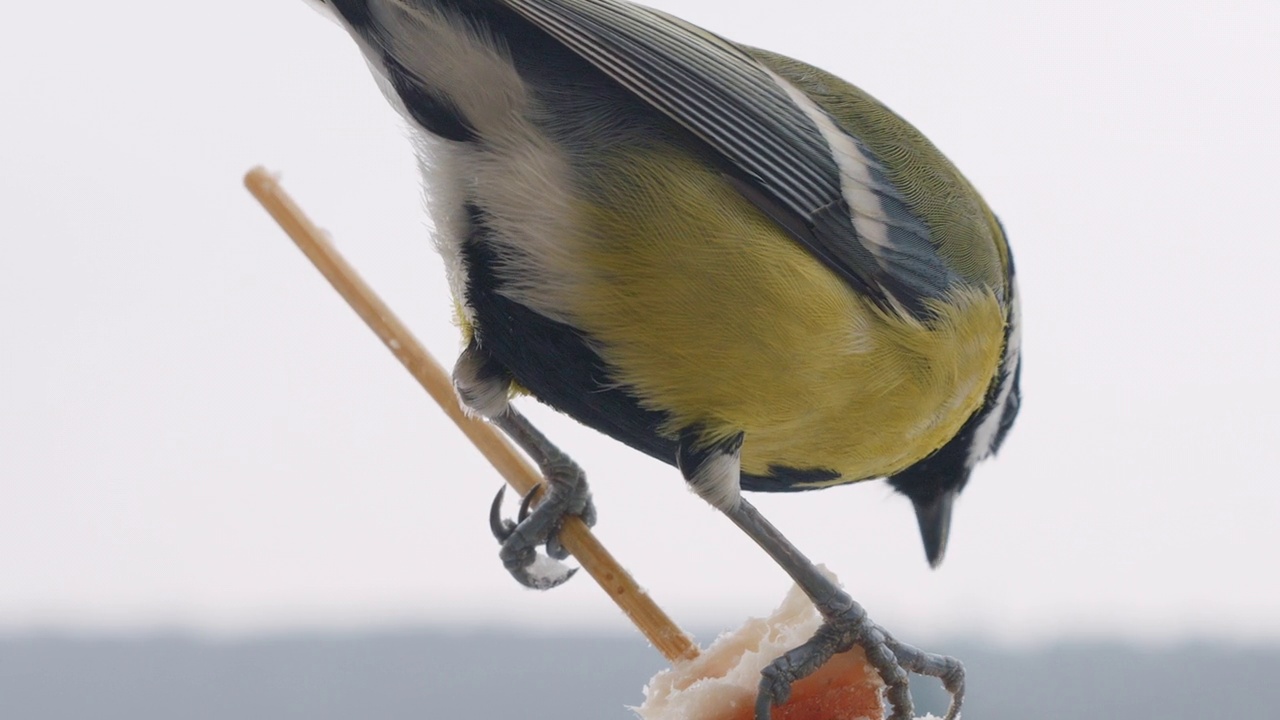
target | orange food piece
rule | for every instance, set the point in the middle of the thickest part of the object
(840, 690)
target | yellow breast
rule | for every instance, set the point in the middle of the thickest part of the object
(712, 314)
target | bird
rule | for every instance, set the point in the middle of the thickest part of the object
(722, 257)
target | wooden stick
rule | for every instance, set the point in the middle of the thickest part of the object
(661, 631)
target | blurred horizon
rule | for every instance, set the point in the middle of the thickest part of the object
(425, 673)
(703, 635)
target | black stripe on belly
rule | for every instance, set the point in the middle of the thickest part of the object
(551, 359)
(788, 479)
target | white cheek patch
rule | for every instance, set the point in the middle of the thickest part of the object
(984, 436)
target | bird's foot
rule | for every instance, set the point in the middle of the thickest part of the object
(944, 667)
(566, 495)
(845, 626)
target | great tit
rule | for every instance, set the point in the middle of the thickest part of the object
(725, 258)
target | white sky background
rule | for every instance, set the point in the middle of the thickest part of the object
(195, 431)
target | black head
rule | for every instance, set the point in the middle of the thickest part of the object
(934, 483)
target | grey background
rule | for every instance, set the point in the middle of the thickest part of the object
(414, 674)
(196, 434)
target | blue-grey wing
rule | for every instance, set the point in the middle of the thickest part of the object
(788, 156)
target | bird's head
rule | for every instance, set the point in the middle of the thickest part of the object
(933, 483)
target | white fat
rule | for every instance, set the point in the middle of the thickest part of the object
(718, 480)
(984, 436)
(546, 572)
(724, 679)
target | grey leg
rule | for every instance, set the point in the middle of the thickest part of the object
(845, 625)
(567, 494)
(483, 385)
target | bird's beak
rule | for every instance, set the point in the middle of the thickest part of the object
(934, 517)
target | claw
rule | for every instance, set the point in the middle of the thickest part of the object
(499, 526)
(539, 572)
(526, 504)
(542, 512)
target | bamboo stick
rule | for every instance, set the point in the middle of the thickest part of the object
(662, 632)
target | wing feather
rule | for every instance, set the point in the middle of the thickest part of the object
(727, 98)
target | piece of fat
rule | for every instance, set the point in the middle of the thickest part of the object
(721, 684)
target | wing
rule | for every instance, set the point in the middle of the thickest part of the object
(786, 155)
